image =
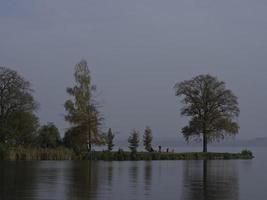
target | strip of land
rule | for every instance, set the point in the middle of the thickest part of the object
(67, 154)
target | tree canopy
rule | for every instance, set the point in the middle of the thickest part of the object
(82, 109)
(212, 109)
(49, 136)
(18, 122)
(110, 138)
(147, 139)
(133, 141)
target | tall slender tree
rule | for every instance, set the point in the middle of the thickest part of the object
(213, 109)
(134, 141)
(82, 109)
(110, 138)
(147, 139)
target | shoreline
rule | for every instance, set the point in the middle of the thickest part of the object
(16, 154)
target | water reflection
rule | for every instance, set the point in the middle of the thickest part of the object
(49, 175)
(110, 174)
(82, 179)
(148, 176)
(17, 179)
(209, 180)
(133, 178)
(133, 172)
(146, 180)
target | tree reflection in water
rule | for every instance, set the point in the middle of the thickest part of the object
(209, 180)
(18, 180)
(147, 176)
(110, 174)
(83, 180)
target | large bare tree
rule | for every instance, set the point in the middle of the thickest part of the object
(213, 109)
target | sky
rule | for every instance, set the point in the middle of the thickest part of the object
(136, 51)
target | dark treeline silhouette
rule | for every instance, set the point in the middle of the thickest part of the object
(23, 174)
(212, 108)
(85, 180)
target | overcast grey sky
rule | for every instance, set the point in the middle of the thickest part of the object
(137, 50)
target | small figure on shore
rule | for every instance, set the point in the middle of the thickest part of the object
(151, 150)
(159, 148)
(167, 150)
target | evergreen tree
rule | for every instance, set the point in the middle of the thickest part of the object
(133, 141)
(147, 139)
(110, 138)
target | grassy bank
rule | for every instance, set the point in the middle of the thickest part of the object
(120, 156)
(62, 153)
(36, 154)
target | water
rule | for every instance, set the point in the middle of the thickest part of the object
(157, 180)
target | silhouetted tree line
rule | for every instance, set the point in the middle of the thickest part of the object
(19, 125)
(212, 108)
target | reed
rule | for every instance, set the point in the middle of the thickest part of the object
(37, 154)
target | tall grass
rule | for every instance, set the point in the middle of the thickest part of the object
(36, 154)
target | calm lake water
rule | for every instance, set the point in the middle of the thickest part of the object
(155, 180)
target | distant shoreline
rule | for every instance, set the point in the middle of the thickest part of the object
(16, 154)
(128, 156)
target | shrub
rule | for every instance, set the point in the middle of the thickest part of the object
(247, 153)
(3, 151)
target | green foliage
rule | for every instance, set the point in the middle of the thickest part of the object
(133, 141)
(49, 136)
(247, 153)
(29, 153)
(82, 110)
(3, 151)
(74, 139)
(147, 139)
(20, 153)
(212, 108)
(23, 129)
(110, 138)
(18, 123)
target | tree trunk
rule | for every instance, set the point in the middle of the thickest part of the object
(90, 146)
(205, 149)
(89, 141)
